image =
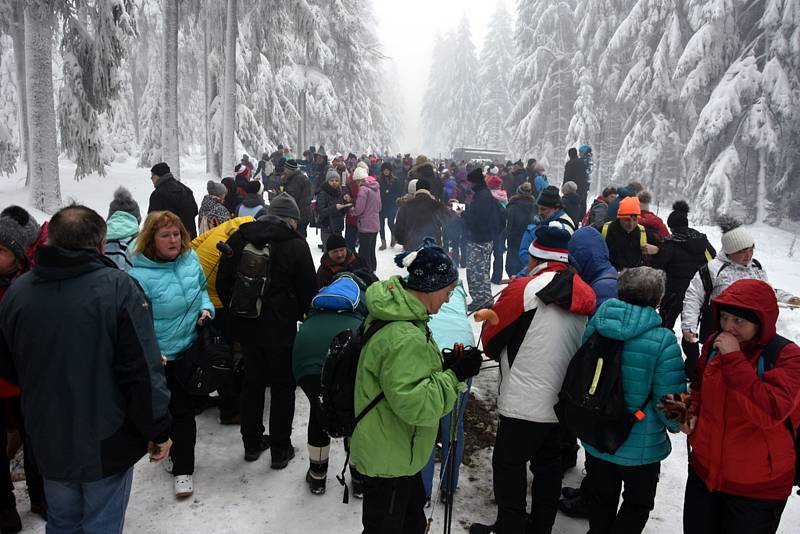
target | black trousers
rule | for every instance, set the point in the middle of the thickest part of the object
(394, 505)
(230, 392)
(266, 363)
(498, 249)
(33, 479)
(316, 435)
(388, 215)
(713, 512)
(351, 236)
(183, 431)
(366, 249)
(517, 443)
(638, 497)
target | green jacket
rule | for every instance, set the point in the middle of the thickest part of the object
(402, 360)
(315, 336)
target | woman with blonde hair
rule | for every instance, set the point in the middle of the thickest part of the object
(169, 271)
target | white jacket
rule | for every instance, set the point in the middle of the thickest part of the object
(695, 294)
(529, 388)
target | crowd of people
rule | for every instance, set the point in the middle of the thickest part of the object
(137, 303)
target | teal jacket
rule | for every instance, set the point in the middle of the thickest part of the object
(121, 229)
(177, 294)
(451, 325)
(651, 361)
(315, 336)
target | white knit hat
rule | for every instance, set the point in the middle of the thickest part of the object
(735, 237)
(360, 174)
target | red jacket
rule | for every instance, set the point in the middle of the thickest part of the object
(650, 220)
(741, 445)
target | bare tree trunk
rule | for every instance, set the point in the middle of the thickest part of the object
(45, 187)
(18, 40)
(207, 82)
(229, 91)
(169, 125)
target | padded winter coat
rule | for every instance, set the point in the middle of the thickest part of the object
(559, 219)
(741, 444)
(588, 253)
(396, 437)
(314, 338)
(368, 207)
(172, 195)
(176, 290)
(206, 247)
(653, 222)
(651, 362)
(121, 229)
(484, 217)
(299, 187)
(451, 324)
(420, 217)
(536, 337)
(330, 218)
(575, 171)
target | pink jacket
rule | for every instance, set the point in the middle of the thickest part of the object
(368, 206)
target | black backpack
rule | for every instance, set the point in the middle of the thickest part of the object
(707, 326)
(591, 403)
(766, 362)
(252, 281)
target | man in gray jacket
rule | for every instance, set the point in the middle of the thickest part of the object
(76, 334)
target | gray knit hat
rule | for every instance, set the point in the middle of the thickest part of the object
(30, 228)
(123, 201)
(217, 189)
(284, 205)
(12, 237)
(332, 173)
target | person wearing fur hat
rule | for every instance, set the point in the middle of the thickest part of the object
(550, 213)
(393, 441)
(296, 183)
(734, 262)
(485, 221)
(268, 338)
(630, 244)
(571, 201)
(172, 195)
(423, 169)
(212, 211)
(539, 322)
(650, 220)
(680, 255)
(391, 189)
(253, 202)
(122, 227)
(744, 412)
(519, 214)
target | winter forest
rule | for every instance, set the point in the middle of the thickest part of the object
(695, 98)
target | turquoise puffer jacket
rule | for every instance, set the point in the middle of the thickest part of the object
(173, 287)
(651, 360)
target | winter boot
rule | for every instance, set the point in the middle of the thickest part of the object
(356, 483)
(570, 493)
(184, 486)
(383, 245)
(577, 507)
(478, 528)
(393, 242)
(10, 521)
(318, 469)
(281, 456)
(251, 454)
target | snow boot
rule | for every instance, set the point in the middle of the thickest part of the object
(479, 528)
(356, 483)
(570, 493)
(315, 485)
(393, 242)
(383, 245)
(577, 507)
(318, 469)
(281, 456)
(184, 486)
(251, 454)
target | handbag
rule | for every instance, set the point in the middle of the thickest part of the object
(206, 364)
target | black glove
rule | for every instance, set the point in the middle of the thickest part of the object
(468, 365)
(451, 356)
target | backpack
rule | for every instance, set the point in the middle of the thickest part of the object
(252, 281)
(206, 365)
(591, 403)
(766, 362)
(707, 326)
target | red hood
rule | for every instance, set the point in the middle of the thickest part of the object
(753, 295)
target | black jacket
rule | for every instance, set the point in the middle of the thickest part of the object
(624, 249)
(484, 217)
(171, 195)
(420, 217)
(299, 187)
(573, 206)
(293, 282)
(330, 218)
(76, 334)
(575, 171)
(520, 212)
(392, 188)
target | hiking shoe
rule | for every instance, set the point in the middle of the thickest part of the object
(251, 454)
(577, 507)
(281, 456)
(479, 528)
(315, 485)
(570, 493)
(183, 486)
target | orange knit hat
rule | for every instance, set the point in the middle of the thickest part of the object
(628, 206)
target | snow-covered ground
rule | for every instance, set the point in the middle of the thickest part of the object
(234, 496)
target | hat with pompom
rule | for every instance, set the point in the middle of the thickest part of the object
(679, 218)
(735, 237)
(429, 267)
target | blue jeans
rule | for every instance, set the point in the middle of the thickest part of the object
(444, 428)
(88, 507)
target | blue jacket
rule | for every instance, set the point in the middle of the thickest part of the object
(588, 253)
(177, 293)
(121, 229)
(530, 234)
(651, 361)
(484, 216)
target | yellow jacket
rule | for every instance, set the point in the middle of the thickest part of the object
(206, 247)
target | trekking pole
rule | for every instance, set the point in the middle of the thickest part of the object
(450, 472)
(486, 302)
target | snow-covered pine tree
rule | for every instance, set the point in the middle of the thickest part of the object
(460, 121)
(229, 91)
(45, 188)
(9, 131)
(150, 116)
(496, 61)
(436, 96)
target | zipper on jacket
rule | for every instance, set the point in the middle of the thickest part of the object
(413, 441)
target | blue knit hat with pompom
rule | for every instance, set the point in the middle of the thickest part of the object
(429, 267)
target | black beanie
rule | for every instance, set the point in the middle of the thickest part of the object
(475, 176)
(429, 267)
(335, 241)
(160, 169)
(679, 218)
(743, 313)
(549, 197)
(386, 166)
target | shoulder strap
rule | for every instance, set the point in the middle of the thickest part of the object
(642, 235)
(757, 264)
(708, 255)
(604, 231)
(770, 353)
